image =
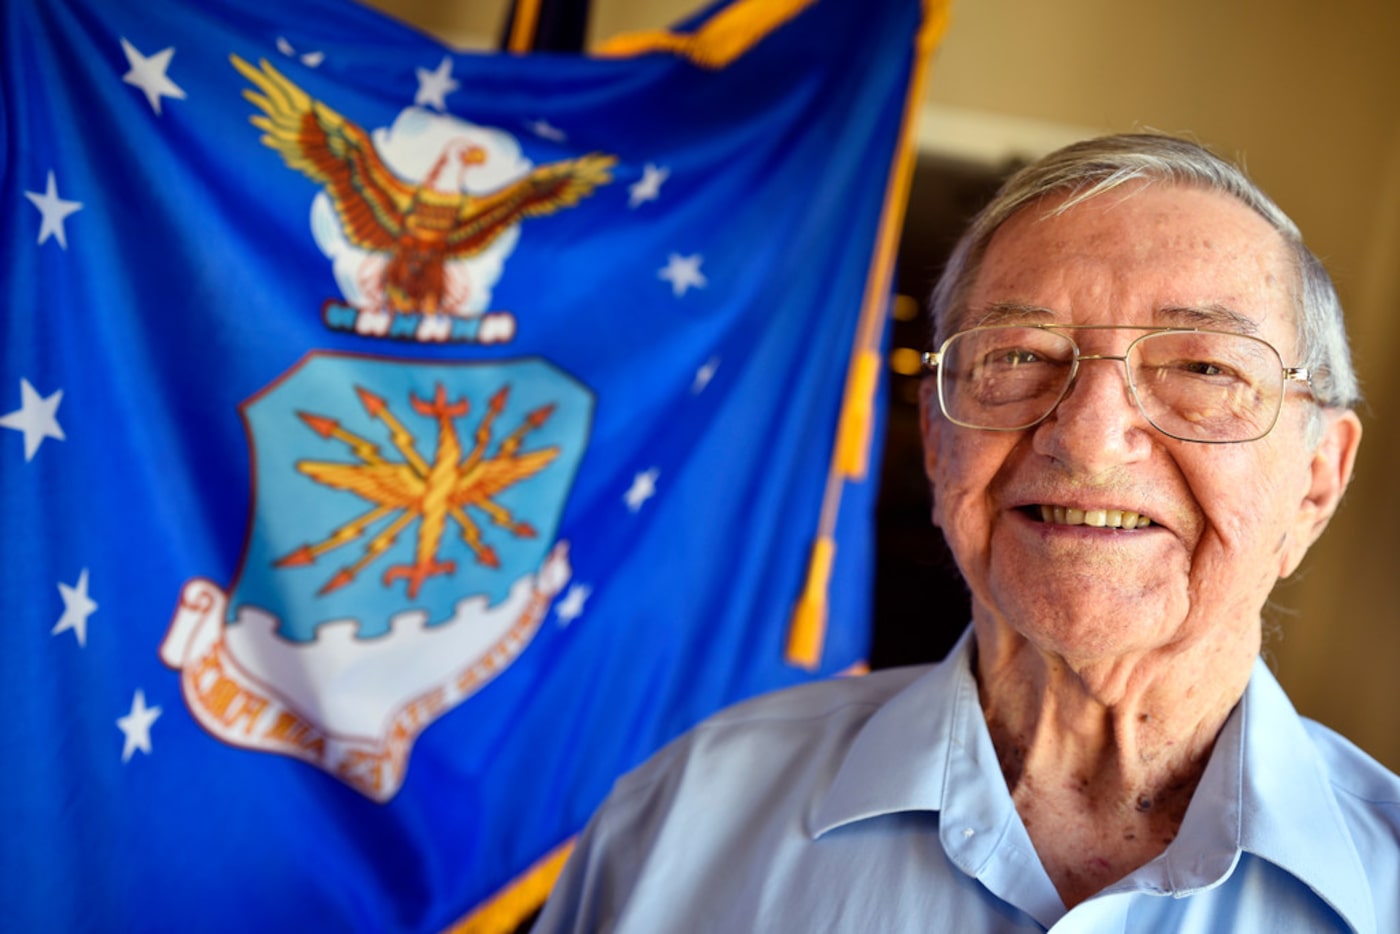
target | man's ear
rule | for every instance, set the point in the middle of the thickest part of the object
(931, 423)
(1331, 467)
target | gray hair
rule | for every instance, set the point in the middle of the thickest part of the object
(1090, 168)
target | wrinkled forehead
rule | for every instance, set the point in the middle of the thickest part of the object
(1197, 257)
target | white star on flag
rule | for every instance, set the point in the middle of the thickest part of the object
(52, 211)
(648, 187)
(37, 417)
(545, 130)
(136, 726)
(434, 86)
(77, 607)
(704, 375)
(571, 607)
(642, 489)
(148, 74)
(683, 272)
(310, 59)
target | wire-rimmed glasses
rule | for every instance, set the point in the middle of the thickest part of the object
(1215, 387)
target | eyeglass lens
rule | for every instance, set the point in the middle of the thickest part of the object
(1193, 385)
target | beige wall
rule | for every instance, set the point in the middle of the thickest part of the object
(1307, 94)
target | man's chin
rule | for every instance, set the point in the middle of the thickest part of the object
(1092, 623)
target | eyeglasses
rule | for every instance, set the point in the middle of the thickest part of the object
(1215, 387)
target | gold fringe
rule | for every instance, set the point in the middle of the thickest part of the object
(504, 911)
(719, 42)
(522, 27)
(850, 455)
(807, 631)
(723, 38)
(858, 416)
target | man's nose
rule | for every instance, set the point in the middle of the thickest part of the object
(1097, 425)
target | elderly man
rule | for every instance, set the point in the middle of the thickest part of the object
(1139, 419)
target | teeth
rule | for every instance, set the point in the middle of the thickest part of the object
(1097, 518)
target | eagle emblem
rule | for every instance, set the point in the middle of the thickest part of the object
(411, 243)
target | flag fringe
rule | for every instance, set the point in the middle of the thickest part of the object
(505, 910)
(721, 40)
(807, 631)
(851, 452)
(858, 416)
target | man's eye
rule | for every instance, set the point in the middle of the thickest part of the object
(1202, 368)
(1014, 356)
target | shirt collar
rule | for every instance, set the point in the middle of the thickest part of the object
(1265, 790)
(1289, 814)
(899, 759)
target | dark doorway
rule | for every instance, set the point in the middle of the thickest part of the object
(921, 604)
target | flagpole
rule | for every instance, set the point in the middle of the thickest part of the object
(525, 17)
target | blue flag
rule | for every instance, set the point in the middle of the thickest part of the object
(398, 444)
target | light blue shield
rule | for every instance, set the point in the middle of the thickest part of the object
(387, 486)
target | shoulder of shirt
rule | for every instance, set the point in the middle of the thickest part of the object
(818, 699)
(793, 716)
(1354, 773)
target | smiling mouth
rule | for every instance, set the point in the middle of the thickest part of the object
(1096, 518)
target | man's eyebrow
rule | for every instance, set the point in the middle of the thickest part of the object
(1214, 317)
(995, 313)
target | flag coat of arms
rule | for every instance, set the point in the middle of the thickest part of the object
(398, 444)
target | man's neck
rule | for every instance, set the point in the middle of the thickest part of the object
(1101, 759)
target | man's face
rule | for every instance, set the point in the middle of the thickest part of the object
(1227, 519)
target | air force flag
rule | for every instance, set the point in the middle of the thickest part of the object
(398, 444)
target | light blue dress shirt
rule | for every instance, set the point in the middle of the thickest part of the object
(876, 804)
